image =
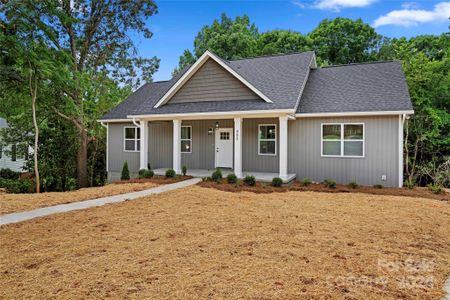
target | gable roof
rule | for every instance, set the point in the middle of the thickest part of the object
(365, 87)
(292, 83)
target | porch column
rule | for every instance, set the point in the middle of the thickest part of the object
(238, 147)
(177, 146)
(283, 147)
(144, 144)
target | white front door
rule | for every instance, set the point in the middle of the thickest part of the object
(224, 148)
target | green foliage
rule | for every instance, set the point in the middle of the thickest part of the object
(436, 189)
(185, 60)
(249, 180)
(282, 41)
(330, 183)
(17, 186)
(232, 178)
(216, 175)
(7, 173)
(184, 170)
(353, 185)
(409, 184)
(170, 173)
(125, 174)
(277, 181)
(306, 181)
(378, 186)
(145, 173)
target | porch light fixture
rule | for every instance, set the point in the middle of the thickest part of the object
(217, 125)
(210, 130)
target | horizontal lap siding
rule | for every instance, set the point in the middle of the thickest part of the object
(381, 152)
(213, 83)
(116, 154)
(251, 161)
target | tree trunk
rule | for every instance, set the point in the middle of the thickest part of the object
(33, 91)
(82, 176)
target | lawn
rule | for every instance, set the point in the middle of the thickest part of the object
(205, 243)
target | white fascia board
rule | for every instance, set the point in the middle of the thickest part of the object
(194, 68)
(351, 114)
(114, 120)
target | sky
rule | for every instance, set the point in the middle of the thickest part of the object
(177, 22)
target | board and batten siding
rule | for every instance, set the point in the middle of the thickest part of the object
(160, 144)
(213, 83)
(381, 152)
(116, 154)
(5, 160)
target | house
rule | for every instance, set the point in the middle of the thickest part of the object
(267, 116)
(11, 156)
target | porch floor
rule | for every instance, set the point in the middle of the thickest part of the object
(260, 176)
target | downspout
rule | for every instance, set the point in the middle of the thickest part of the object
(135, 123)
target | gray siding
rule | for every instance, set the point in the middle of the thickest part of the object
(381, 152)
(251, 161)
(213, 83)
(116, 154)
(160, 144)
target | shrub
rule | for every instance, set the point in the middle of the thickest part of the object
(170, 173)
(216, 175)
(232, 178)
(71, 184)
(353, 185)
(378, 186)
(249, 180)
(9, 174)
(141, 173)
(435, 188)
(148, 174)
(125, 175)
(19, 186)
(409, 184)
(184, 170)
(277, 181)
(306, 181)
(330, 183)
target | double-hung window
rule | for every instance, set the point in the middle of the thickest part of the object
(132, 139)
(267, 139)
(186, 139)
(343, 140)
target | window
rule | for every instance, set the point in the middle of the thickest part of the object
(225, 136)
(343, 140)
(132, 139)
(267, 139)
(186, 139)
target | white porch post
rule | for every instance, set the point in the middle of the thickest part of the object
(144, 144)
(283, 147)
(238, 147)
(177, 146)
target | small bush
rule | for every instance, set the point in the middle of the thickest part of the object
(306, 181)
(277, 181)
(148, 174)
(232, 178)
(436, 189)
(184, 170)
(170, 173)
(330, 183)
(141, 173)
(409, 184)
(249, 180)
(125, 175)
(71, 184)
(19, 186)
(353, 185)
(378, 186)
(9, 174)
(216, 175)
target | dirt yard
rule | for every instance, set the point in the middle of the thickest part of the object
(205, 243)
(10, 203)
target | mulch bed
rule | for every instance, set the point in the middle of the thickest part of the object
(155, 179)
(262, 188)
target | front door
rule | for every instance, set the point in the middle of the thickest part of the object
(224, 148)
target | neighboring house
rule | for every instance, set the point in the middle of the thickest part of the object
(16, 158)
(268, 116)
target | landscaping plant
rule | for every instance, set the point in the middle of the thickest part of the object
(436, 189)
(170, 173)
(306, 181)
(277, 181)
(378, 186)
(216, 175)
(184, 170)
(232, 178)
(330, 183)
(353, 185)
(125, 175)
(249, 180)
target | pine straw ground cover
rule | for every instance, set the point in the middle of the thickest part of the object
(204, 243)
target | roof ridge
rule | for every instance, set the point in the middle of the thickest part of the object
(360, 63)
(270, 55)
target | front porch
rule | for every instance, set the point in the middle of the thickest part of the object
(259, 176)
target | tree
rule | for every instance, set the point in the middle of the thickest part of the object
(283, 41)
(89, 36)
(185, 60)
(344, 41)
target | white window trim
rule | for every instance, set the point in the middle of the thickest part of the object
(135, 139)
(190, 140)
(262, 140)
(342, 140)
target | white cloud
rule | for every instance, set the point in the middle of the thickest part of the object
(337, 5)
(413, 17)
(299, 4)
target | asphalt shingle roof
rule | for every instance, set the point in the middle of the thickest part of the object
(376, 86)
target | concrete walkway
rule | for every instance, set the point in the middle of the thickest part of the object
(45, 211)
